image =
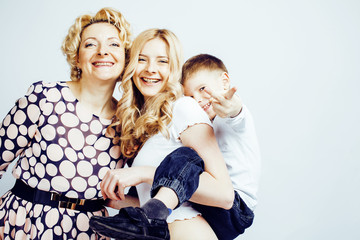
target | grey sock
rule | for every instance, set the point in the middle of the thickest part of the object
(155, 209)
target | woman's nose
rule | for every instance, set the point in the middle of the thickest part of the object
(151, 67)
(102, 51)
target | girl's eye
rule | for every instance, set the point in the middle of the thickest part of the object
(115, 45)
(164, 61)
(202, 89)
(142, 59)
(89, 45)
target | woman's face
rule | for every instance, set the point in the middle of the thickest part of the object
(153, 69)
(101, 53)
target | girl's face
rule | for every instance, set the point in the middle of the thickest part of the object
(153, 69)
(101, 52)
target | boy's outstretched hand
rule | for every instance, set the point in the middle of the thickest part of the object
(225, 105)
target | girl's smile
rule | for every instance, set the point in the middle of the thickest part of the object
(153, 70)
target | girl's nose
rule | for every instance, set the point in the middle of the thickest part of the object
(102, 51)
(151, 67)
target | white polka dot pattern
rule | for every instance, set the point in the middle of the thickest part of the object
(61, 147)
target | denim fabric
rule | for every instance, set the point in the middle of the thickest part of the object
(179, 171)
(227, 224)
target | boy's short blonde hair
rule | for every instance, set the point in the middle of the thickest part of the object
(201, 62)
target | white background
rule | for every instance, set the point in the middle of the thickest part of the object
(297, 67)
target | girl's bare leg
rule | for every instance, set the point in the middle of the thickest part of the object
(193, 229)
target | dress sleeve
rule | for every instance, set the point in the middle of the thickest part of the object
(20, 125)
(186, 113)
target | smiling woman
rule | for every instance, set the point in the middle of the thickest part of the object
(58, 132)
(100, 62)
(153, 69)
(101, 53)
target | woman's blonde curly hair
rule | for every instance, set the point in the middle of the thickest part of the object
(136, 119)
(71, 43)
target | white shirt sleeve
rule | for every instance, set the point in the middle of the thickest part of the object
(186, 113)
(238, 123)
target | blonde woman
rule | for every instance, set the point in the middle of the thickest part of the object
(154, 120)
(57, 132)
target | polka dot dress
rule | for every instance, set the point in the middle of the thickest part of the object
(60, 147)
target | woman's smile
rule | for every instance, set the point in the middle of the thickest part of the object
(153, 70)
(102, 64)
(151, 80)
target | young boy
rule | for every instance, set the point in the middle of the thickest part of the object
(205, 78)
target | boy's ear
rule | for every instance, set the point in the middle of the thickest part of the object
(226, 80)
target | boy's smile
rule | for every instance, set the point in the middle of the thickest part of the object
(195, 86)
(206, 106)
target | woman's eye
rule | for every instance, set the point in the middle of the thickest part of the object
(164, 61)
(115, 45)
(202, 89)
(89, 45)
(142, 60)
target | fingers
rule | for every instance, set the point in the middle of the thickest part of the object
(221, 98)
(113, 190)
(213, 94)
(226, 103)
(103, 193)
(103, 186)
(108, 186)
(229, 94)
(121, 192)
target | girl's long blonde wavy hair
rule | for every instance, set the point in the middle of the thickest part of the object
(137, 120)
(71, 43)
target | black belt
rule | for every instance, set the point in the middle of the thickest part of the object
(56, 200)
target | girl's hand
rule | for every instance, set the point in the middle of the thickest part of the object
(115, 181)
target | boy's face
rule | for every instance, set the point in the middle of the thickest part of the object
(215, 80)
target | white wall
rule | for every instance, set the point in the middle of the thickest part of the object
(297, 66)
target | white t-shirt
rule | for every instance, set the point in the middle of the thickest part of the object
(239, 146)
(186, 113)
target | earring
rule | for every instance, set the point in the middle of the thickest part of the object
(78, 73)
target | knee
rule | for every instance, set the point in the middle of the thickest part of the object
(186, 154)
(184, 151)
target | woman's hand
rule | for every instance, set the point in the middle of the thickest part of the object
(130, 201)
(115, 181)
